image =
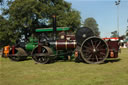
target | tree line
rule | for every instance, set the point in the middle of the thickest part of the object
(20, 16)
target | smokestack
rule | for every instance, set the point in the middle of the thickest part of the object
(54, 26)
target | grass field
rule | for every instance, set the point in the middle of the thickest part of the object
(65, 73)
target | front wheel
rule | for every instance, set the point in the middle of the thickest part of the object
(43, 57)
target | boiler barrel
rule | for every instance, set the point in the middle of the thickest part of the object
(65, 45)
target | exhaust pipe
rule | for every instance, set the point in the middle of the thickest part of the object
(54, 27)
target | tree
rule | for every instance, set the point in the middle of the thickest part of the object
(1, 1)
(114, 34)
(92, 24)
(127, 31)
(7, 33)
(30, 14)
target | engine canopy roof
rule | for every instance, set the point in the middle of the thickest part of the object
(51, 29)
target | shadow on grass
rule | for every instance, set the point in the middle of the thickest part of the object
(22, 60)
(29, 58)
(111, 61)
(54, 61)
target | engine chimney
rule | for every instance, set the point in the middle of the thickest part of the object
(54, 26)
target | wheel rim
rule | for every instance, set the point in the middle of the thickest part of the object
(94, 50)
(41, 59)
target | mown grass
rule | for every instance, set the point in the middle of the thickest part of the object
(65, 73)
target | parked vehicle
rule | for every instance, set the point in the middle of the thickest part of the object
(83, 46)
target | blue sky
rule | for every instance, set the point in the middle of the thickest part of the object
(105, 13)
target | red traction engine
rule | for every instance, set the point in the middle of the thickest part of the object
(83, 44)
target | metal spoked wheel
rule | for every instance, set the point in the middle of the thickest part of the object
(41, 57)
(94, 50)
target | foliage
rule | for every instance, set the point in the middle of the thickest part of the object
(1, 0)
(7, 32)
(92, 24)
(114, 34)
(24, 16)
(123, 36)
(127, 32)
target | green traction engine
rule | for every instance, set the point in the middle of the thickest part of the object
(52, 44)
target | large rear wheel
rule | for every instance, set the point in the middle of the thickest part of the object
(94, 50)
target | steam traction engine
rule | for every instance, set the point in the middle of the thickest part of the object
(83, 46)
